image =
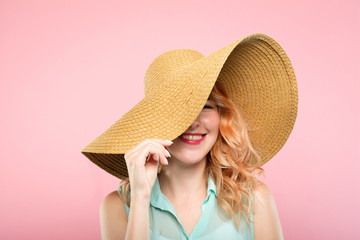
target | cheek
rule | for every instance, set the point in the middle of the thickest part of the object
(213, 121)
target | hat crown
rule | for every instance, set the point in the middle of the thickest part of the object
(162, 67)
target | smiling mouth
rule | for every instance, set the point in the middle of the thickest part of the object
(192, 136)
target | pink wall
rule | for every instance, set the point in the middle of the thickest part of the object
(69, 69)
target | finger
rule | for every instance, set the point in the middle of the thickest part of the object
(163, 159)
(160, 155)
(154, 157)
(163, 142)
(151, 151)
(150, 140)
(163, 155)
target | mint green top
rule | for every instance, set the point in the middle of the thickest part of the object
(165, 223)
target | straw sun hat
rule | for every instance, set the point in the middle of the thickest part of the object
(256, 73)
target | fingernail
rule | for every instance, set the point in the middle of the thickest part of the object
(157, 157)
(167, 152)
(168, 141)
(166, 161)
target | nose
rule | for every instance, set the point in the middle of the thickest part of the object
(195, 124)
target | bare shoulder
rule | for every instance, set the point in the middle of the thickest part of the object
(262, 193)
(113, 200)
(266, 219)
(113, 217)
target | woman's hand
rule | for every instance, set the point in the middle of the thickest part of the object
(142, 163)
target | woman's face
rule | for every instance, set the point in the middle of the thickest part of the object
(193, 145)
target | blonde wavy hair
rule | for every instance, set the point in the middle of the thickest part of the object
(232, 162)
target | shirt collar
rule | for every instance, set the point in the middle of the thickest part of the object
(211, 187)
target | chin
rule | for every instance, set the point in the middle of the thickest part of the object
(189, 159)
(188, 154)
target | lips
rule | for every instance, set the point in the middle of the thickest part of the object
(192, 138)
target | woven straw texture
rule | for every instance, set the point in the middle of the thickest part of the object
(255, 71)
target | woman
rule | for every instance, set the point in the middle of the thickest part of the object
(201, 185)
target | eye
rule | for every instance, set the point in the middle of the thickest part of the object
(207, 106)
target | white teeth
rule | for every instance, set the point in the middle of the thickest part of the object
(192, 137)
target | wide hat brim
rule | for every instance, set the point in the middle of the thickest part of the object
(256, 73)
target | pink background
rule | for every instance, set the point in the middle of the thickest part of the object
(70, 69)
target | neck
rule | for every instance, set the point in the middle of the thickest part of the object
(179, 182)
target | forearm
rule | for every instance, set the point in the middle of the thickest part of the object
(138, 226)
